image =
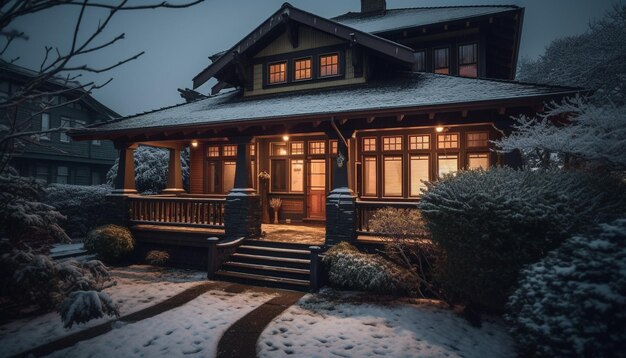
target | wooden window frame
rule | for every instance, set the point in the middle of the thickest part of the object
(411, 155)
(363, 176)
(310, 142)
(209, 153)
(395, 155)
(369, 150)
(319, 65)
(435, 68)
(458, 162)
(291, 148)
(458, 141)
(476, 62)
(45, 136)
(295, 71)
(401, 136)
(467, 140)
(227, 152)
(289, 175)
(269, 72)
(425, 55)
(286, 144)
(468, 154)
(429, 143)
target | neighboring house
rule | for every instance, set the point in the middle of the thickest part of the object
(345, 114)
(58, 158)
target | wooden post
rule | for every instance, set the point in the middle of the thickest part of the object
(174, 173)
(125, 180)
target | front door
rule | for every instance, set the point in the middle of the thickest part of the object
(317, 189)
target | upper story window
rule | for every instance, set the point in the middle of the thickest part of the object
(468, 60)
(278, 72)
(302, 69)
(420, 61)
(477, 139)
(65, 123)
(441, 59)
(369, 144)
(45, 125)
(329, 65)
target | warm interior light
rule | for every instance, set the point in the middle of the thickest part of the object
(194, 143)
(285, 138)
(439, 129)
(282, 151)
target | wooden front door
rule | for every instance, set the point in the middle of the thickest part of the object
(317, 189)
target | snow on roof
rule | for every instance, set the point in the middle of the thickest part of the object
(396, 19)
(409, 90)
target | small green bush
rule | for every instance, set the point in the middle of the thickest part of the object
(157, 258)
(349, 268)
(110, 242)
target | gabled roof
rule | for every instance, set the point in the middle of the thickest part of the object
(408, 91)
(289, 13)
(398, 19)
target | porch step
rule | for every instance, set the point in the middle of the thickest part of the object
(270, 260)
(269, 270)
(263, 280)
(274, 251)
(275, 244)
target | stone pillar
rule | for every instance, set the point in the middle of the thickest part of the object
(341, 217)
(125, 180)
(242, 211)
(174, 173)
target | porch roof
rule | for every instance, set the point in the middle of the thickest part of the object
(409, 92)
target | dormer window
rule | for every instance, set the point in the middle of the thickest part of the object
(468, 60)
(302, 69)
(278, 72)
(441, 61)
(329, 65)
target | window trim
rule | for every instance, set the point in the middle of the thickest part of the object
(411, 155)
(375, 145)
(382, 147)
(430, 142)
(467, 141)
(458, 162)
(477, 63)
(402, 183)
(425, 52)
(293, 63)
(467, 157)
(458, 141)
(309, 152)
(290, 151)
(363, 176)
(269, 74)
(319, 65)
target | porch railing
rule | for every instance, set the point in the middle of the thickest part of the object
(366, 209)
(163, 210)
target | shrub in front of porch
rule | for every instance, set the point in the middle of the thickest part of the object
(157, 258)
(351, 269)
(490, 224)
(110, 242)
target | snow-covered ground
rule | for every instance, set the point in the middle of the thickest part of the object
(333, 324)
(191, 330)
(138, 286)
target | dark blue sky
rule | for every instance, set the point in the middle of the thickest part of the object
(177, 42)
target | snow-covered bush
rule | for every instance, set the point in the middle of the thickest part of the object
(407, 243)
(82, 205)
(82, 306)
(151, 166)
(110, 242)
(24, 219)
(573, 302)
(157, 258)
(489, 224)
(351, 269)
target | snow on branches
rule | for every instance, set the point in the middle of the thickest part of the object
(82, 306)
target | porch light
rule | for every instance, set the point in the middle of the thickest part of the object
(194, 143)
(285, 138)
(439, 129)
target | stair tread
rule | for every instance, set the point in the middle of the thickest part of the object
(267, 267)
(277, 249)
(272, 258)
(263, 278)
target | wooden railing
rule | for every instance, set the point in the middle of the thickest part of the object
(366, 209)
(164, 210)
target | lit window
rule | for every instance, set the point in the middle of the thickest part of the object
(441, 61)
(448, 141)
(369, 176)
(478, 139)
(419, 142)
(369, 144)
(468, 60)
(333, 147)
(448, 164)
(297, 148)
(392, 180)
(420, 61)
(302, 69)
(329, 65)
(229, 176)
(65, 123)
(230, 150)
(297, 175)
(317, 147)
(62, 175)
(419, 173)
(252, 150)
(279, 148)
(478, 160)
(278, 72)
(45, 125)
(392, 143)
(213, 151)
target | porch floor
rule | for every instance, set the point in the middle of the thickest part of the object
(306, 233)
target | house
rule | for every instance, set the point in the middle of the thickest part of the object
(57, 158)
(347, 115)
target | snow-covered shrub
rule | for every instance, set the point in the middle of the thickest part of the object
(573, 302)
(351, 269)
(24, 219)
(489, 224)
(110, 242)
(407, 242)
(35, 281)
(151, 166)
(82, 205)
(157, 258)
(82, 306)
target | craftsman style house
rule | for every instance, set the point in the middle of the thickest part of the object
(346, 115)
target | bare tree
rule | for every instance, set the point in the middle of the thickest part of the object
(62, 68)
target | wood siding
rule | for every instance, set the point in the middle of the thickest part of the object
(308, 38)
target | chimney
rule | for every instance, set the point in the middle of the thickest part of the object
(368, 6)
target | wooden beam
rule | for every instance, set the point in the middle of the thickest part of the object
(501, 111)
(370, 119)
(431, 115)
(400, 118)
(343, 121)
(464, 114)
(292, 30)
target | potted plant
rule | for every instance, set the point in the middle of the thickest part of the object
(275, 204)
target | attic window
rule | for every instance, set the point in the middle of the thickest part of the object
(302, 69)
(442, 61)
(468, 60)
(329, 65)
(278, 72)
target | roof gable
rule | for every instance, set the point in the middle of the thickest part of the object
(309, 38)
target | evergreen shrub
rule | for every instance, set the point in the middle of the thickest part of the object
(110, 242)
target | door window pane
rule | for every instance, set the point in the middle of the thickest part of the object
(297, 175)
(392, 184)
(419, 173)
(478, 160)
(317, 175)
(229, 176)
(448, 164)
(369, 176)
(279, 148)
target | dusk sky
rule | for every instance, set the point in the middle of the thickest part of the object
(178, 42)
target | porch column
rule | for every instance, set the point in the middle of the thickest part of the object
(125, 179)
(242, 211)
(341, 217)
(174, 173)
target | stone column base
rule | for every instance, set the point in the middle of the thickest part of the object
(341, 217)
(242, 214)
